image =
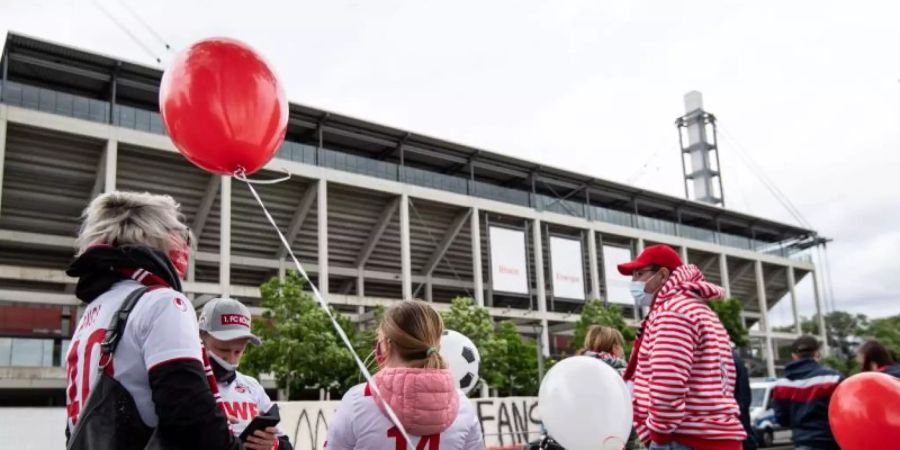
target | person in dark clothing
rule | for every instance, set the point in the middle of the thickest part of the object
(800, 400)
(874, 357)
(130, 241)
(744, 397)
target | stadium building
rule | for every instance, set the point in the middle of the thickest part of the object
(375, 213)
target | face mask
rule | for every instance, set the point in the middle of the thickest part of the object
(225, 364)
(179, 255)
(637, 289)
(380, 358)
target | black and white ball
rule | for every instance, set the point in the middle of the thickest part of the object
(462, 358)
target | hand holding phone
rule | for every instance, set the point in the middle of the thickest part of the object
(269, 419)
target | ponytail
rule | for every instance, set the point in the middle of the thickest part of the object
(414, 329)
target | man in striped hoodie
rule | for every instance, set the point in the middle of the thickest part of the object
(681, 366)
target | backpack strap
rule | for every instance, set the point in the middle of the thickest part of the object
(119, 319)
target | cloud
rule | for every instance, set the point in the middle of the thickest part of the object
(808, 89)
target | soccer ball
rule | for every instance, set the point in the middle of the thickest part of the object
(462, 358)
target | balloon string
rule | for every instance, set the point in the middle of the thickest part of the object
(241, 174)
(325, 306)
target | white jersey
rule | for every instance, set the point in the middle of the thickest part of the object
(243, 399)
(162, 327)
(360, 424)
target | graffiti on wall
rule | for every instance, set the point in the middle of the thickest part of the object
(504, 421)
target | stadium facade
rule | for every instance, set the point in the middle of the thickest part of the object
(375, 213)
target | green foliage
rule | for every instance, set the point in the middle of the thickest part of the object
(518, 357)
(887, 331)
(729, 312)
(596, 312)
(845, 366)
(300, 345)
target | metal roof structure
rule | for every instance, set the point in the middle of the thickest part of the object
(87, 74)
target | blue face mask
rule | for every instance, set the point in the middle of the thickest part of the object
(637, 289)
(640, 296)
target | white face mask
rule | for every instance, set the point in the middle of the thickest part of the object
(225, 364)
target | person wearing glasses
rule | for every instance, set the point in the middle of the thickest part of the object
(681, 368)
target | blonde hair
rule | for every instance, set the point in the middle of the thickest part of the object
(131, 218)
(414, 329)
(602, 339)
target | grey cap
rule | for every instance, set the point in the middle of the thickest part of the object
(227, 319)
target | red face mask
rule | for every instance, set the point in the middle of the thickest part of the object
(380, 357)
(180, 254)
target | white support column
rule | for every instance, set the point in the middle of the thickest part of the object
(726, 277)
(477, 276)
(764, 317)
(224, 236)
(592, 265)
(112, 161)
(360, 285)
(322, 213)
(537, 240)
(2, 149)
(640, 246)
(823, 335)
(792, 288)
(282, 268)
(684, 254)
(405, 259)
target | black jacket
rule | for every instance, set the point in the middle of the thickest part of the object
(744, 397)
(801, 399)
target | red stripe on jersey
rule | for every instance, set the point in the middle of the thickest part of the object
(803, 394)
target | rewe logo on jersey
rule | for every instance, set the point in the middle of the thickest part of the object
(236, 319)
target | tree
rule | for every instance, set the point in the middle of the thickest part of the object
(518, 359)
(299, 344)
(887, 331)
(729, 312)
(597, 312)
(475, 322)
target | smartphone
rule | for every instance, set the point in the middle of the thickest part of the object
(269, 419)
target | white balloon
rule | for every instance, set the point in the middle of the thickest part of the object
(585, 405)
(462, 358)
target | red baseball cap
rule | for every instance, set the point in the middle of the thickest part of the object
(654, 255)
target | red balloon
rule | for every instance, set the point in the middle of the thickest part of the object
(223, 106)
(865, 412)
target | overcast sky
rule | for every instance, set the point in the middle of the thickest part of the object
(808, 88)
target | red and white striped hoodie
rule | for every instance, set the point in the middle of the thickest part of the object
(683, 371)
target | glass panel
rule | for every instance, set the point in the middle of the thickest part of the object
(611, 216)
(5, 351)
(142, 120)
(499, 193)
(46, 100)
(81, 108)
(64, 104)
(656, 225)
(64, 350)
(732, 240)
(30, 97)
(31, 353)
(700, 234)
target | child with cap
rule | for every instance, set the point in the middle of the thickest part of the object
(225, 332)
